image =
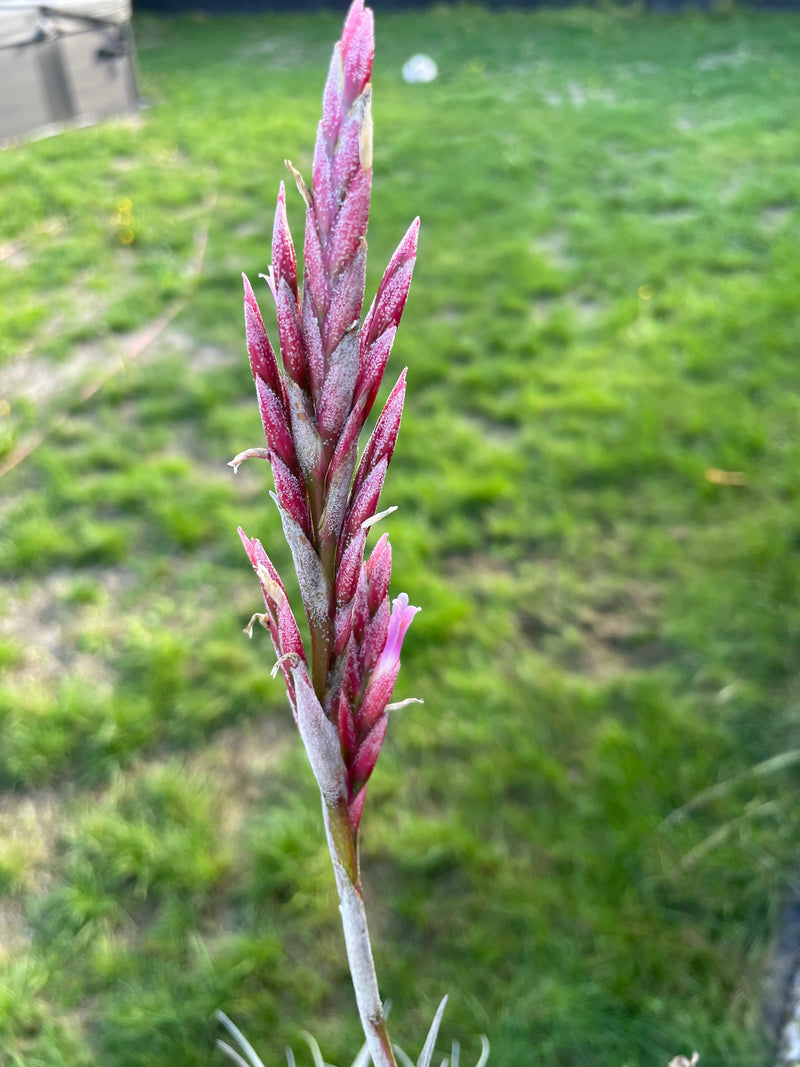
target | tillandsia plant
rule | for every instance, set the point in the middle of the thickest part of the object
(314, 405)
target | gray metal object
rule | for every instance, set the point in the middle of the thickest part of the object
(71, 61)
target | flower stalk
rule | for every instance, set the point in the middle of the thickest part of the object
(314, 402)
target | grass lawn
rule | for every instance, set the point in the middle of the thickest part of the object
(584, 834)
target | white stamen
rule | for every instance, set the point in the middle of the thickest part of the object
(404, 703)
(365, 525)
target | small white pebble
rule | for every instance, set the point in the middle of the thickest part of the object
(419, 68)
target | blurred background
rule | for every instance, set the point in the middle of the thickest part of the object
(588, 831)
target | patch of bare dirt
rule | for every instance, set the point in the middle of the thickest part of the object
(15, 934)
(554, 246)
(203, 357)
(606, 635)
(239, 761)
(585, 312)
(577, 96)
(45, 627)
(586, 627)
(640, 69)
(48, 383)
(626, 635)
(274, 53)
(734, 58)
(14, 255)
(41, 381)
(31, 825)
(775, 217)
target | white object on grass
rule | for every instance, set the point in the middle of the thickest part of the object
(420, 68)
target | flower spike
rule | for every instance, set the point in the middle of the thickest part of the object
(314, 398)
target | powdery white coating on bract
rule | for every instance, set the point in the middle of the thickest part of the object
(350, 226)
(332, 96)
(387, 307)
(338, 493)
(384, 437)
(291, 493)
(275, 422)
(307, 442)
(349, 568)
(364, 500)
(289, 332)
(314, 587)
(284, 259)
(262, 358)
(321, 740)
(316, 283)
(367, 755)
(358, 46)
(315, 358)
(337, 391)
(346, 299)
(379, 571)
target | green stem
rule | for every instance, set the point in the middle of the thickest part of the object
(356, 937)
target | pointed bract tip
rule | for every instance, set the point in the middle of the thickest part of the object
(407, 249)
(249, 546)
(355, 14)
